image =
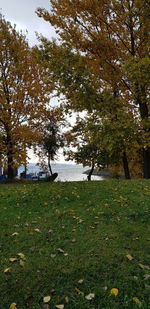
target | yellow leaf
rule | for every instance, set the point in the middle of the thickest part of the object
(137, 301)
(144, 266)
(67, 299)
(21, 263)
(114, 291)
(21, 255)
(60, 306)
(7, 270)
(46, 299)
(12, 259)
(80, 281)
(129, 257)
(90, 296)
(79, 292)
(13, 306)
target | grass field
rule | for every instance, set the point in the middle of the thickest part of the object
(75, 242)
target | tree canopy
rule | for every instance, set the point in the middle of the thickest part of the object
(24, 94)
(112, 38)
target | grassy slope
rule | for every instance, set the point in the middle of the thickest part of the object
(96, 223)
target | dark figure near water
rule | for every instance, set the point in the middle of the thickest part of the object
(53, 177)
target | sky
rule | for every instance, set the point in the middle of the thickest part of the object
(22, 13)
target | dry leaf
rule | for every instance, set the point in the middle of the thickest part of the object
(66, 254)
(37, 230)
(7, 270)
(14, 234)
(13, 306)
(137, 301)
(22, 256)
(114, 291)
(46, 299)
(21, 262)
(12, 259)
(67, 299)
(80, 281)
(60, 250)
(129, 257)
(144, 266)
(53, 256)
(60, 306)
(104, 288)
(90, 296)
(79, 292)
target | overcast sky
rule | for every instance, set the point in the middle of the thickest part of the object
(22, 13)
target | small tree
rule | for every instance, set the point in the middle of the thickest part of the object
(51, 140)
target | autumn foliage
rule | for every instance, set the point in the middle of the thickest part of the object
(23, 96)
(113, 38)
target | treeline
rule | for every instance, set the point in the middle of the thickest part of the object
(99, 65)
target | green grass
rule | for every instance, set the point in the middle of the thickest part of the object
(95, 223)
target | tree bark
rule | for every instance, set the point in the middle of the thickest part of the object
(146, 162)
(126, 166)
(49, 166)
(144, 113)
(90, 173)
(10, 169)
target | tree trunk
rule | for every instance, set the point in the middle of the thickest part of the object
(49, 166)
(143, 107)
(10, 165)
(90, 173)
(146, 162)
(126, 166)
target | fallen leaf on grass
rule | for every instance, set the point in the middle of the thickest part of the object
(114, 291)
(79, 292)
(66, 254)
(90, 296)
(21, 255)
(13, 306)
(7, 270)
(144, 266)
(15, 234)
(129, 257)
(73, 240)
(53, 256)
(137, 301)
(37, 230)
(60, 250)
(46, 299)
(67, 299)
(21, 262)
(60, 306)
(80, 281)
(104, 288)
(12, 259)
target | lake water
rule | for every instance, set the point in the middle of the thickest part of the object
(66, 172)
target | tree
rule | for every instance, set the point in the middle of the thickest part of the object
(107, 33)
(51, 140)
(84, 139)
(23, 95)
(83, 91)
